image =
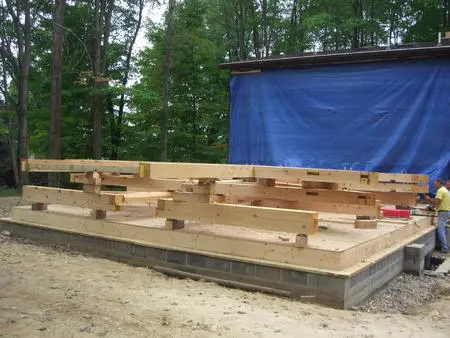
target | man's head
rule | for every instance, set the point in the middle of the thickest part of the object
(447, 184)
(438, 183)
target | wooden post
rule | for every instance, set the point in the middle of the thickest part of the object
(301, 241)
(174, 224)
(98, 214)
(93, 185)
(38, 206)
(365, 222)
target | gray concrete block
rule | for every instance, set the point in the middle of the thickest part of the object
(294, 277)
(121, 248)
(414, 261)
(363, 290)
(242, 268)
(155, 254)
(198, 261)
(329, 285)
(221, 265)
(176, 257)
(139, 251)
(268, 273)
(361, 276)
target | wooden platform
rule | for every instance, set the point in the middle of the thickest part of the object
(337, 248)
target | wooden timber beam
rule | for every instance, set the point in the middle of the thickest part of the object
(396, 198)
(403, 178)
(75, 198)
(110, 201)
(133, 182)
(386, 187)
(297, 175)
(295, 221)
(353, 180)
(144, 197)
(194, 170)
(191, 197)
(336, 208)
(129, 167)
(294, 194)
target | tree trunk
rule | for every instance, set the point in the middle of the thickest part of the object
(361, 17)
(97, 29)
(372, 21)
(256, 38)
(9, 124)
(264, 27)
(164, 117)
(101, 29)
(293, 26)
(55, 118)
(24, 67)
(355, 39)
(446, 15)
(117, 134)
(241, 30)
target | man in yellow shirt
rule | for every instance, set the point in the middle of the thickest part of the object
(442, 203)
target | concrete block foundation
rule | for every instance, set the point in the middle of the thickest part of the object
(340, 291)
(414, 260)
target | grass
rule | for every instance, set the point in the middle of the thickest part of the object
(8, 192)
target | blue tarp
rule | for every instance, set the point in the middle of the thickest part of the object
(386, 117)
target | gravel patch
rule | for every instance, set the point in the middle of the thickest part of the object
(404, 294)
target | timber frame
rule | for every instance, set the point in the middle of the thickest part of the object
(267, 198)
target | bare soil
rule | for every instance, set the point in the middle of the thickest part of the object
(49, 292)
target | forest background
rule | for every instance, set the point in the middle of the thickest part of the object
(78, 80)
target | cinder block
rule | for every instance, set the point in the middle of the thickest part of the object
(157, 255)
(176, 257)
(359, 292)
(220, 265)
(242, 268)
(361, 276)
(294, 277)
(138, 250)
(121, 248)
(414, 261)
(198, 261)
(268, 273)
(329, 285)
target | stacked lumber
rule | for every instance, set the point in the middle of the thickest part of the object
(264, 197)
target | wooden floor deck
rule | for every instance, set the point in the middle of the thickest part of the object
(338, 248)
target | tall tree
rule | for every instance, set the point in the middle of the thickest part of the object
(8, 63)
(101, 30)
(9, 121)
(116, 123)
(164, 118)
(20, 14)
(55, 115)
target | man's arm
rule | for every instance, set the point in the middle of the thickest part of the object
(435, 201)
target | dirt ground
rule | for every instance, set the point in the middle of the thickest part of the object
(46, 292)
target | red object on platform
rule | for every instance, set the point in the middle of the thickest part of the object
(396, 213)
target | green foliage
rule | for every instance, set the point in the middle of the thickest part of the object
(206, 33)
